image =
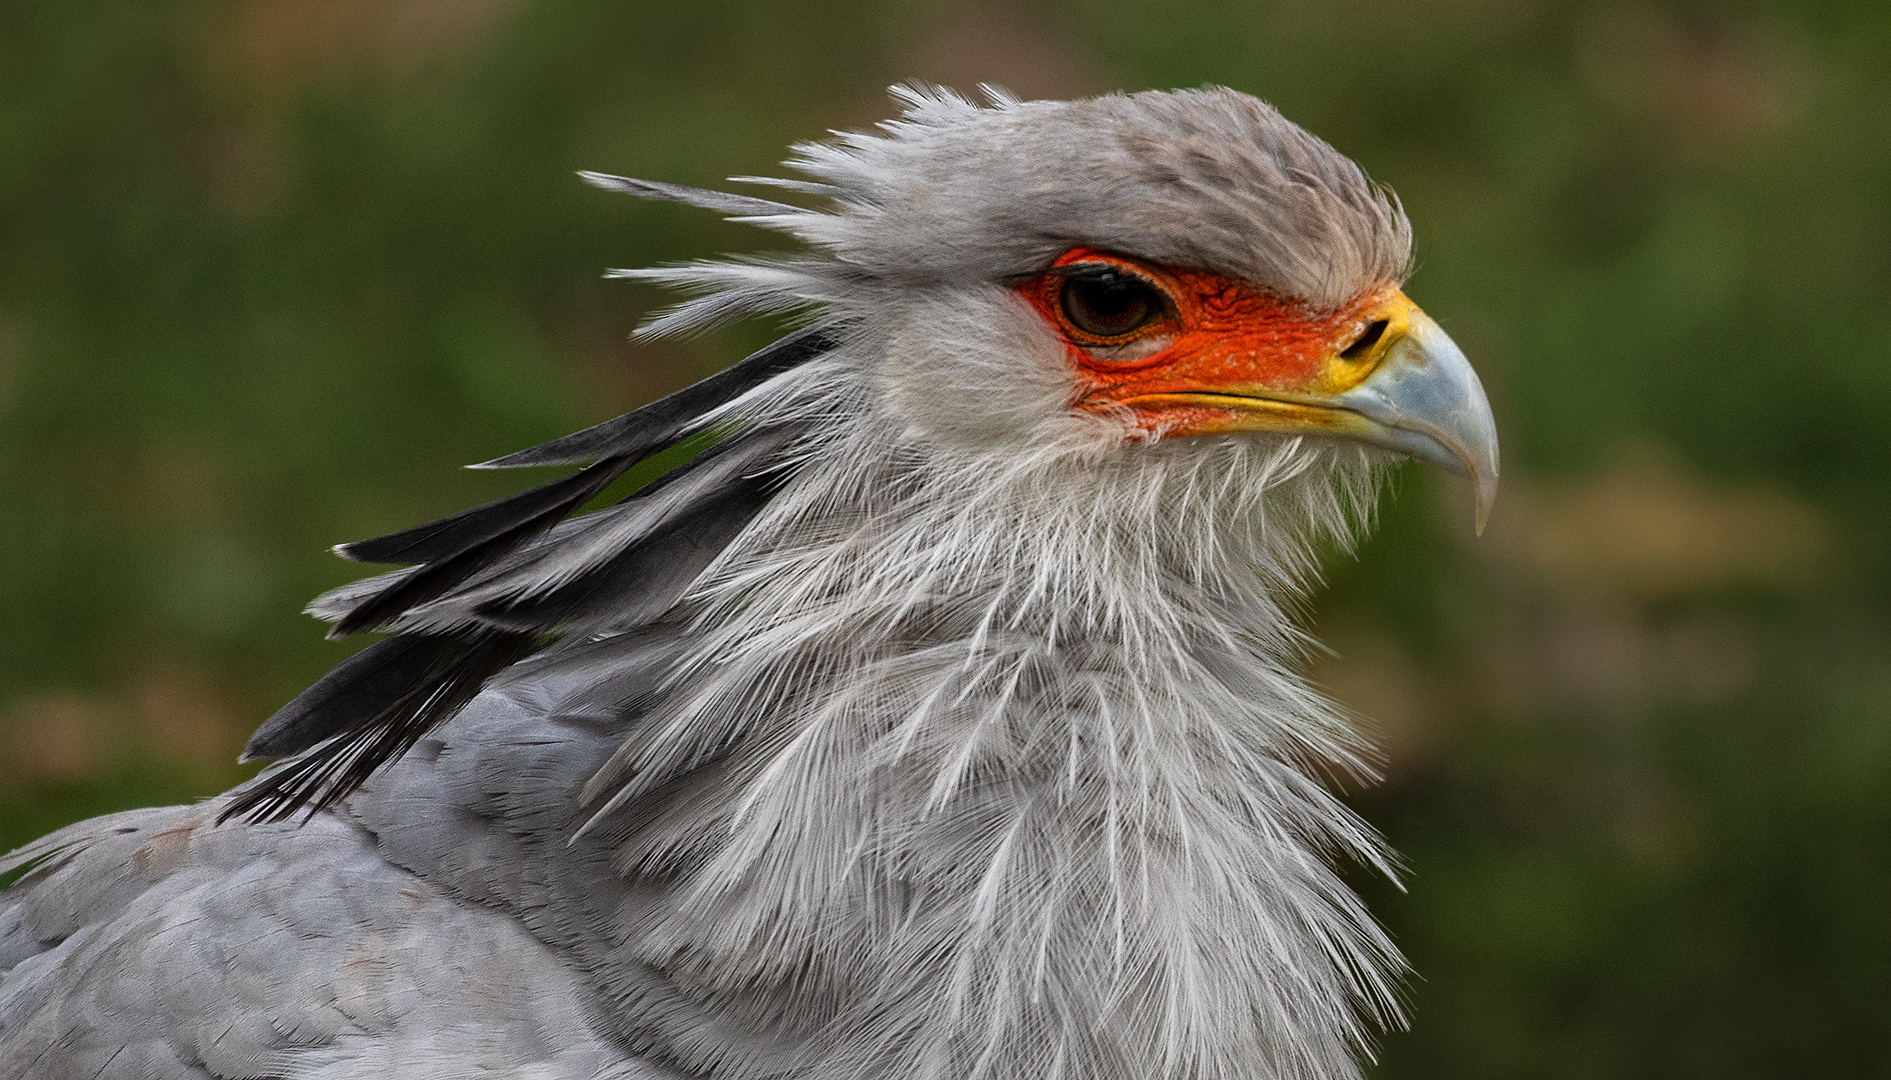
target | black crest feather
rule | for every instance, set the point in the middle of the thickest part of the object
(480, 573)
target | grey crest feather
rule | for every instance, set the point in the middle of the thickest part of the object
(737, 206)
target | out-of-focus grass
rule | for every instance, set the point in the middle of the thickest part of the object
(270, 270)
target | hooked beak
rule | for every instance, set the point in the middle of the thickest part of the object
(1399, 383)
(1424, 400)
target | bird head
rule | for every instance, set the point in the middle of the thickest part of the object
(1065, 279)
(1099, 370)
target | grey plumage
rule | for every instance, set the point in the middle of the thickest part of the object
(150, 944)
(925, 726)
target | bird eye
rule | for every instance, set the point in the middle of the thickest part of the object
(1109, 303)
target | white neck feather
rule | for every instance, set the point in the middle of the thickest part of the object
(1017, 757)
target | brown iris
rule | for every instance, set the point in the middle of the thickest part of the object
(1109, 304)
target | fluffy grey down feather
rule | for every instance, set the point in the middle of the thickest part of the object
(980, 750)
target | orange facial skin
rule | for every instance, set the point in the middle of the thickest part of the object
(1220, 351)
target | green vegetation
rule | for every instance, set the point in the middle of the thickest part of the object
(271, 270)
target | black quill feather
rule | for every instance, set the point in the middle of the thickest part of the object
(665, 420)
(464, 545)
(374, 706)
(652, 572)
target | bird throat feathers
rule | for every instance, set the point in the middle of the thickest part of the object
(1037, 696)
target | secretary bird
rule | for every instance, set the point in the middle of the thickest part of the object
(944, 717)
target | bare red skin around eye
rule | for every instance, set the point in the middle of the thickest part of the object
(1226, 335)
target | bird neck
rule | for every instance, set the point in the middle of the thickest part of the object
(1009, 745)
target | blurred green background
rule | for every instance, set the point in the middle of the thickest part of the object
(271, 270)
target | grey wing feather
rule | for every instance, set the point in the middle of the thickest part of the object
(489, 805)
(157, 944)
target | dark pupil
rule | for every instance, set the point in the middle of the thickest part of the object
(1107, 304)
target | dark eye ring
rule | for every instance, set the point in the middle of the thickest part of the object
(1109, 303)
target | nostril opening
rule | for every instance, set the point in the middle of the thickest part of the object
(1366, 341)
